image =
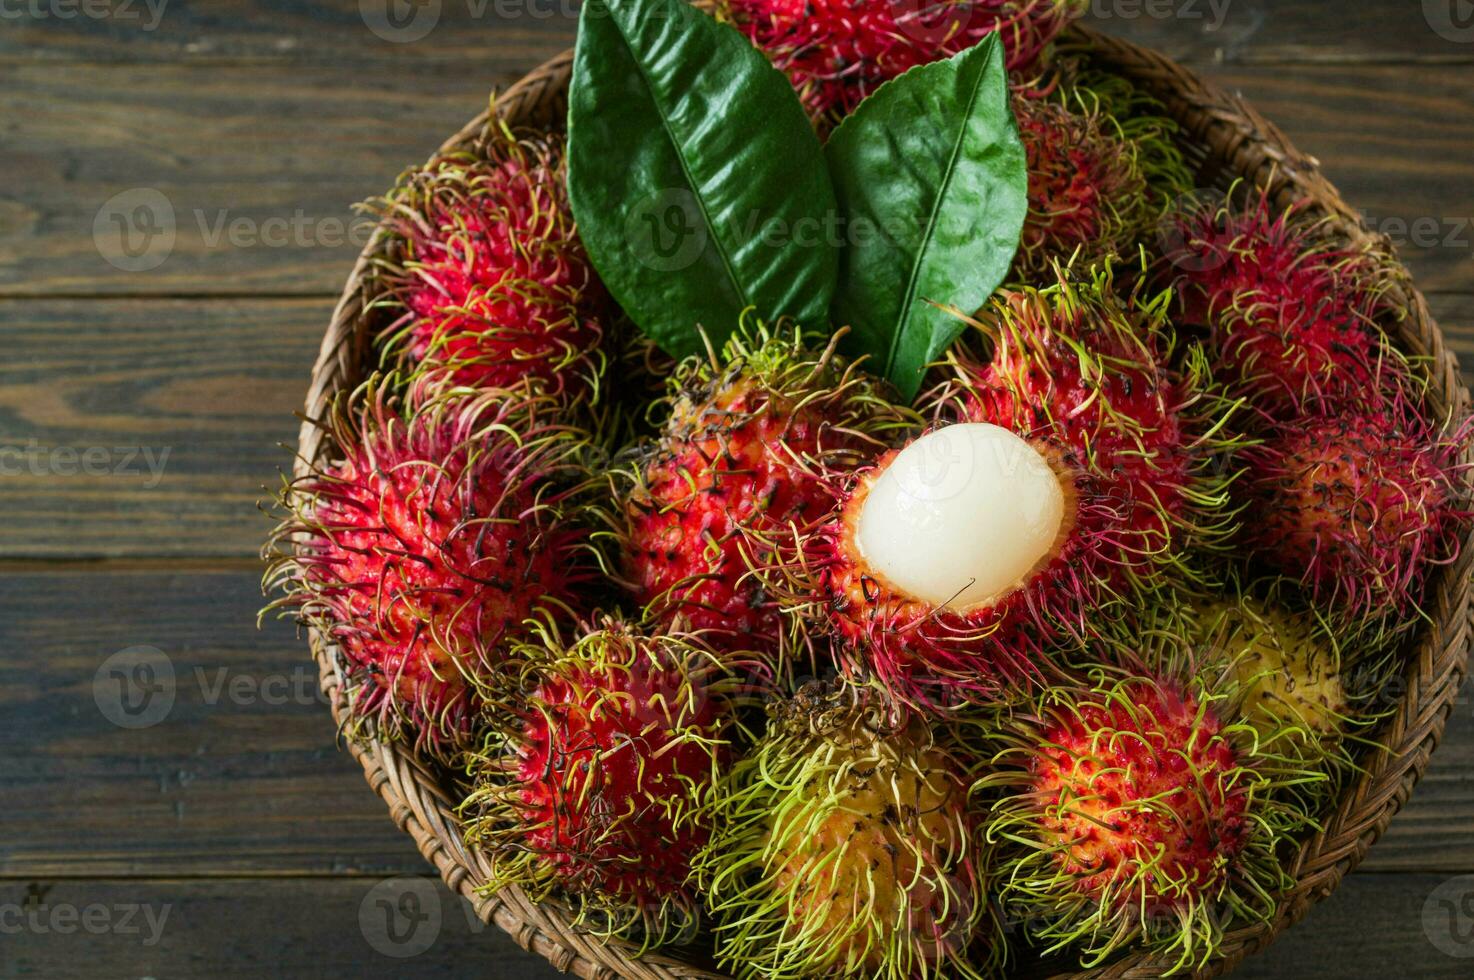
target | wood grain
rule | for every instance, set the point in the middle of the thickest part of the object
(242, 927)
(257, 169)
(241, 775)
(182, 407)
(520, 33)
(261, 122)
(320, 928)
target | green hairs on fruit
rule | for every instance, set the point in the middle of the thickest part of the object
(1092, 365)
(1309, 685)
(1099, 182)
(843, 846)
(588, 787)
(750, 442)
(1132, 808)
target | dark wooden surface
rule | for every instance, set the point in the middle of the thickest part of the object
(140, 414)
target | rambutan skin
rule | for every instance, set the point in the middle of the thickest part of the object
(591, 782)
(1097, 186)
(491, 283)
(744, 462)
(836, 52)
(1130, 809)
(1292, 318)
(1358, 508)
(424, 547)
(844, 846)
(1081, 375)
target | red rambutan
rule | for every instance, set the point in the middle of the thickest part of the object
(1133, 811)
(1358, 508)
(493, 282)
(1081, 476)
(1095, 186)
(425, 546)
(836, 52)
(594, 790)
(1292, 317)
(741, 464)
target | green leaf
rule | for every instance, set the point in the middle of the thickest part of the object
(697, 181)
(933, 181)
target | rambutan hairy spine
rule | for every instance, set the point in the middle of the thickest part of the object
(836, 52)
(1097, 184)
(844, 846)
(1131, 810)
(1085, 377)
(590, 783)
(425, 543)
(1360, 507)
(1295, 319)
(752, 441)
(488, 285)
(1311, 683)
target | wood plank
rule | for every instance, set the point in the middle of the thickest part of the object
(223, 180)
(1288, 31)
(201, 394)
(1378, 925)
(239, 774)
(103, 150)
(148, 427)
(242, 775)
(325, 929)
(322, 928)
(349, 33)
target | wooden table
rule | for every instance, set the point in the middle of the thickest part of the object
(144, 392)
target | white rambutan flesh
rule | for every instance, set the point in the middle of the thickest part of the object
(962, 516)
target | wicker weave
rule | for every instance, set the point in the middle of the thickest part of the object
(1225, 139)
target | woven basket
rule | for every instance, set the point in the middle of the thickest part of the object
(1224, 139)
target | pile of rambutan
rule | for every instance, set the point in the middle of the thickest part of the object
(754, 657)
(1358, 489)
(836, 52)
(750, 442)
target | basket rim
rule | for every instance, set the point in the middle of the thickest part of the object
(1249, 146)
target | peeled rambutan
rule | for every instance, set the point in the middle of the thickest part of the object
(591, 785)
(836, 52)
(843, 846)
(740, 465)
(1292, 318)
(492, 281)
(1078, 477)
(426, 545)
(1094, 188)
(1358, 507)
(1132, 810)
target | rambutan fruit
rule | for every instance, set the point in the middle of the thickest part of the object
(490, 282)
(1132, 810)
(836, 52)
(1286, 666)
(748, 445)
(1078, 477)
(1292, 317)
(1357, 507)
(843, 846)
(425, 545)
(591, 784)
(1094, 188)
